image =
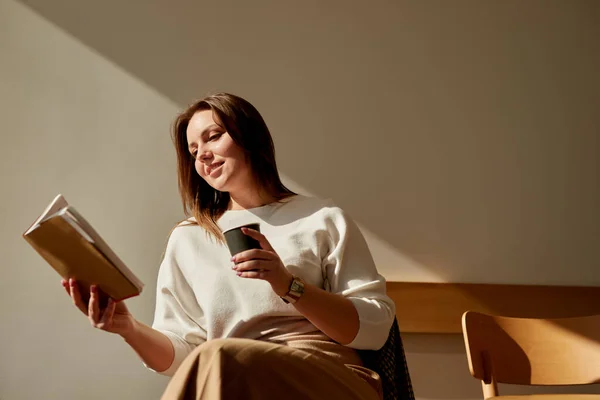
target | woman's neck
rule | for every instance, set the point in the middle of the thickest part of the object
(250, 199)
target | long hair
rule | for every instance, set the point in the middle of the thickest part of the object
(249, 131)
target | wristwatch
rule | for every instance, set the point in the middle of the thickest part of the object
(295, 291)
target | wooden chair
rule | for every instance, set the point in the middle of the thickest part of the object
(529, 351)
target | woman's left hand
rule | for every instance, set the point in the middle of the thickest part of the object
(263, 263)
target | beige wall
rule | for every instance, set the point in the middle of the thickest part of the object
(74, 123)
(462, 136)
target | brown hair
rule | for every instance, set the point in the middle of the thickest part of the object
(249, 131)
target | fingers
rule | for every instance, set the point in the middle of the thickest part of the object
(252, 265)
(65, 285)
(97, 317)
(93, 311)
(76, 296)
(262, 240)
(106, 319)
(254, 274)
(253, 254)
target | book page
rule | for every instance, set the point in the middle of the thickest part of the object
(56, 205)
(66, 214)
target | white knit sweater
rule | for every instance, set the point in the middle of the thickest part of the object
(199, 296)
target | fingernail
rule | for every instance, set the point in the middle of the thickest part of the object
(234, 267)
(93, 288)
(239, 273)
(233, 258)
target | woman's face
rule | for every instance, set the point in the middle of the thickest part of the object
(218, 159)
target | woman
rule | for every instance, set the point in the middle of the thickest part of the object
(283, 321)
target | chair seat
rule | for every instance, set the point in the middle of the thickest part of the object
(548, 397)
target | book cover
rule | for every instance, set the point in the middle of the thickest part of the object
(70, 245)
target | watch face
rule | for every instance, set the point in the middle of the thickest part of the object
(295, 287)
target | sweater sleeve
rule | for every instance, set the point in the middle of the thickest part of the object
(176, 312)
(351, 272)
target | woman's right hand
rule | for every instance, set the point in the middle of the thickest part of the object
(114, 318)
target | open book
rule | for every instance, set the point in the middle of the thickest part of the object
(75, 250)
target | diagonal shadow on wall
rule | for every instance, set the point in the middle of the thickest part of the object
(432, 124)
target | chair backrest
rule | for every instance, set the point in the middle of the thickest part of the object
(530, 351)
(390, 363)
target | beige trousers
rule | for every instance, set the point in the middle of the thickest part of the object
(253, 370)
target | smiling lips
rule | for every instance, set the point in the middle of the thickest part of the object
(213, 167)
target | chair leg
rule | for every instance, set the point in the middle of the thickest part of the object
(489, 389)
